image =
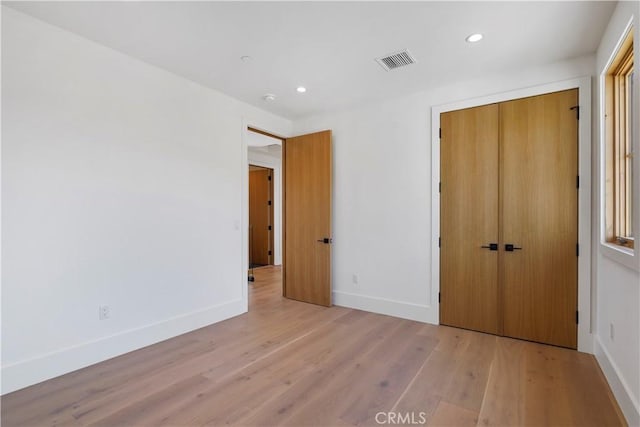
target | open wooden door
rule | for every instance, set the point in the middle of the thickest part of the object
(306, 162)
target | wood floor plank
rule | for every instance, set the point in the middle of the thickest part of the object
(448, 414)
(141, 412)
(251, 389)
(371, 383)
(56, 398)
(329, 368)
(503, 400)
(545, 394)
(434, 379)
(587, 398)
(228, 353)
(384, 383)
(469, 378)
(290, 363)
(107, 399)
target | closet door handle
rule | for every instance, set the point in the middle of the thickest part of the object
(491, 247)
(509, 247)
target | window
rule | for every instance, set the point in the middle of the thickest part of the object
(619, 117)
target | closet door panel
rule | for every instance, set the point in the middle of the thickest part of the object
(539, 218)
(469, 218)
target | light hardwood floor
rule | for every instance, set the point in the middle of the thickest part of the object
(291, 363)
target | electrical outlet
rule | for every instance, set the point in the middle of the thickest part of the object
(611, 331)
(104, 312)
(354, 279)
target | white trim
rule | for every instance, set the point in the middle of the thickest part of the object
(628, 403)
(619, 254)
(401, 309)
(28, 372)
(244, 214)
(585, 337)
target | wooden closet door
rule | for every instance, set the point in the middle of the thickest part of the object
(469, 218)
(260, 216)
(539, 217)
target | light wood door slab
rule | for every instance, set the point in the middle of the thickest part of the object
(307, 216)
(260, 216)
(539, 211)
(469, 218)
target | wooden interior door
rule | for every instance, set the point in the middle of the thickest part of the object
(260, 216)
(306, 162)
(539, 212)
(469, 218)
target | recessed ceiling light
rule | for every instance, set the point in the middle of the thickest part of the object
(268, 97)
(301, 89)
(474, 38)
(246, 58)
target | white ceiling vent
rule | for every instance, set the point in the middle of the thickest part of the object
(396, 60)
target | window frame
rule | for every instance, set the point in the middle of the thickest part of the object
(618, 146)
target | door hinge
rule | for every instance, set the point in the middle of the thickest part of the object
(438, 297)
(269, 203)
(440, 133)
(269, 228)
(440, 187)
(578, 181)
(269, 177)
(577, 249)
(577, 317)
(439, 242)
(269, 252)
(577, 108)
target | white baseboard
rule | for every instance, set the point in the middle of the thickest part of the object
(626, 400)
(32, 371)
(404, 310)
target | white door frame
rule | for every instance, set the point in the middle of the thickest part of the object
(244, 222)
(583, 84)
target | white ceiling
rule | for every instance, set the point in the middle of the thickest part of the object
(330, 47)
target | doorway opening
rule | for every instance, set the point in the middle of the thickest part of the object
(301, 166)
(264, 152)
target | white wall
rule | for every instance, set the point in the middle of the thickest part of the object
(122, 185)
(271, 157)
(383, 195)
(618, 295)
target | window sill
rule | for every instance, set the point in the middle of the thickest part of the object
(621, 255)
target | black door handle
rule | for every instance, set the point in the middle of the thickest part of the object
(491, 247)
(325, 240)
(509, 247)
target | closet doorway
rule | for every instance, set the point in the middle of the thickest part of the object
(509, 218)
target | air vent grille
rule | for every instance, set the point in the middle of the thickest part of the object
(396, 60)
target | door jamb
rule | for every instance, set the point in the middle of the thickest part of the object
(586, 295)
(244, 222)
